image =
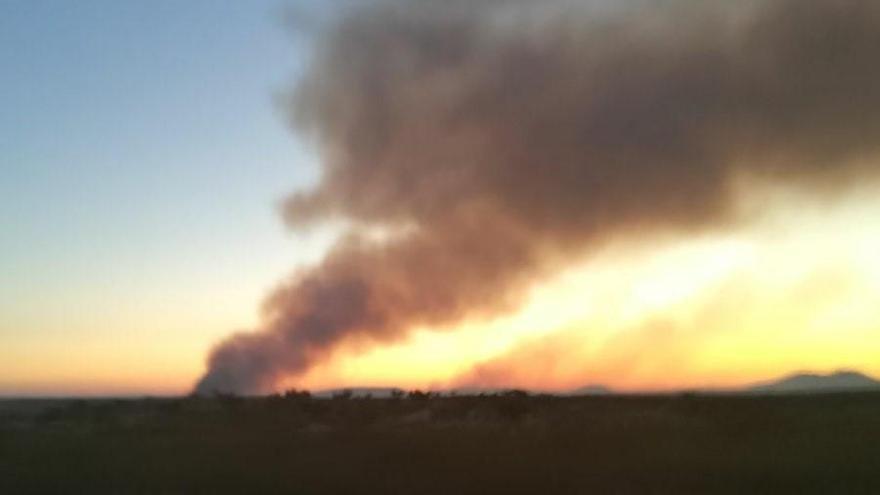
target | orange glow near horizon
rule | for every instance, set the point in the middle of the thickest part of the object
(797, 291)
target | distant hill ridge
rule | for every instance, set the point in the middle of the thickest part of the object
(798, 383)
(840, 381)
(593, 389)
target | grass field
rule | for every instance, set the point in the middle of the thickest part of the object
(508, 443)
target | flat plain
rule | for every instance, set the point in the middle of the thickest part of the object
(509, 442)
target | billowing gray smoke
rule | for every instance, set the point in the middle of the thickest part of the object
(492, 141)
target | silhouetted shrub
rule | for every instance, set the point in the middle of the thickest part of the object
(418, 395)
(228, 400)
(294, 394)
(342, 395)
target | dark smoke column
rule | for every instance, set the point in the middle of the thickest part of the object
(493, 141)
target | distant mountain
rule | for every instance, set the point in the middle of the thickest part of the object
(841, 381)
(591, 390)
(800, 383)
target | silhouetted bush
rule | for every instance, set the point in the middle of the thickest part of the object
(514, 394)
(294, 394)
(342, 395)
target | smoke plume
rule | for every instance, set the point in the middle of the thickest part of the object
(491, 141)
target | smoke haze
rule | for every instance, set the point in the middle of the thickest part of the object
(491, 142)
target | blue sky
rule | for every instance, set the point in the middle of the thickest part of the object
(141, 150)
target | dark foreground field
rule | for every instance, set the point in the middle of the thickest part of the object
(424, 445)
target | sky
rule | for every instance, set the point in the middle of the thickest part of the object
(147, 162)
(141, 159)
